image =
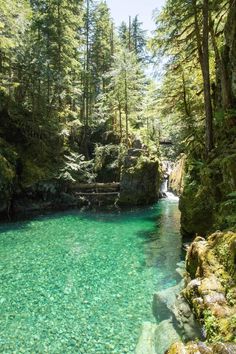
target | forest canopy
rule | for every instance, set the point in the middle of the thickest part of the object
(69, 78)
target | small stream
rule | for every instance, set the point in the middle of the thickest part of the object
(83, 282)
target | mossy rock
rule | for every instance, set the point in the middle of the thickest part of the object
(108, 160)
(140, 183)
(206, 203)
(8, 163)
(196, 206)
(229, 172)
(211, 290)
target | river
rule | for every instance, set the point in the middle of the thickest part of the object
(83, 282)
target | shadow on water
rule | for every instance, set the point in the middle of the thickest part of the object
(21, 221)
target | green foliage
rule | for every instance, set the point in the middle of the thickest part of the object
(179, 36)
(210, 325)
(127, 88)
(134, 38)
(8, 158)
(76, 169)
(108, 161)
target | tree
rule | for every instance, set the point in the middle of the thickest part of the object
(139, 39)
(55, 44)
(202, 40)
(99, 48)
(127, 88)
(187, 32)
(14, 20)
(133, 37)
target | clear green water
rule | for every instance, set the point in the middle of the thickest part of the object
(80, 282)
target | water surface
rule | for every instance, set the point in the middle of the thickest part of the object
(82, 282)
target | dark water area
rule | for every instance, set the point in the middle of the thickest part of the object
(83, 282)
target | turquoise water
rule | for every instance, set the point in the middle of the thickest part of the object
(82, 282)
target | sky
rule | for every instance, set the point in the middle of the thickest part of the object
(122, 9)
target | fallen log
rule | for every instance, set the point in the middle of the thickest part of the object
(97, 193)
(102, 186)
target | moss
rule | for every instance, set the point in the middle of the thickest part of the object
(196, 206)
(33, 173)
(211, 292)
(8, 158)
(211, 326)
(208, 201)
(229, 172)
(140, 182)
(225, 250)
(108, 160)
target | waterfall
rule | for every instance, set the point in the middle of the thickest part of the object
(164, 186)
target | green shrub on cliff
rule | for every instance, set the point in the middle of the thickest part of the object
(7, 174)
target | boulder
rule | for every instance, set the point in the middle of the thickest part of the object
(139, 184)
(137, 143)
(202, 348)
(176, 178)
(146, 343)
(165, 336)
(211, 290)
(170, 304)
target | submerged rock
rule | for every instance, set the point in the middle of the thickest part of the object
(146, 343)
(165, 335)
(164, 301)
(171, 304)
(156, 338)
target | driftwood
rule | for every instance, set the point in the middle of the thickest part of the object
(96, 193)
(96, 186)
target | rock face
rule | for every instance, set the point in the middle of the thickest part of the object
(171, 305)
(108, 163)
(8, 166)
(208, 201)
(211, 290)
(140, 179)
(202, 348)
(176, 178)
(211, 293)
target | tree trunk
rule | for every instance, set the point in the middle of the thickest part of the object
(129, 33)
(120, 122)
(186, 106)
(203, 55)
(224, 97)
(206, 78)
(126, 112)
(229, 55)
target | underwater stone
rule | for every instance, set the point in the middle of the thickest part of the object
(146, 343)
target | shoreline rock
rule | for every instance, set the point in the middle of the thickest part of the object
(211, 293)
